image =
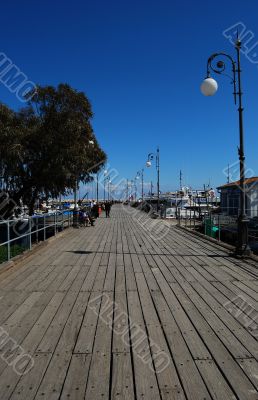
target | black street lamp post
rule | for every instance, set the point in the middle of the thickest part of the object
(140, 175)
(209, 88)
(75, 209)
(106, 179)
(148, 164)
(135, 188)
(110, 188)
(97, 188)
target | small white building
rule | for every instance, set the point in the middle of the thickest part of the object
(230, 197)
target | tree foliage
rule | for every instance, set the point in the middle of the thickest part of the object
(49, 145)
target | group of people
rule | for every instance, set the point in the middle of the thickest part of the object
(85, 217)
(88, 216)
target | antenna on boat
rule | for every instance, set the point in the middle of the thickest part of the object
(180, 177)
(228, 173)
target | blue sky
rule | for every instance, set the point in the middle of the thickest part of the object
(141, 64)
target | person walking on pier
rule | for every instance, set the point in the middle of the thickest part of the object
(107, 209)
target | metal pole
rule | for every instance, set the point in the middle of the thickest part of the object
(97, 188)
(190, 211)
(44, 221)
(104, 189)
(30, 246)
(142, 186)
(55, 222)
(157, 166)
(8, 241)
(75, 214)
(37, 229)
(242, 245)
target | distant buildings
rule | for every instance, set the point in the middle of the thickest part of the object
(230, 197)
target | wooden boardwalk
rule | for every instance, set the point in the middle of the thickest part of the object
(127, 311)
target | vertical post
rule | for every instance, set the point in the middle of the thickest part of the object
(75, 211)
(44, 222)
(97, 188)
(37, 229)
(62, 220)
(30, 246)
(190, 211)
(194, 211)
(158, 170)
(55, 221)
(142, 186)
(8, 241)
(242, 245)
(219, 226)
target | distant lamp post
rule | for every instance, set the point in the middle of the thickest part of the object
(75, 209)
(138, 176)
(209, 87)
(97, 187)
(148, 165)
(135, 187)
(105, 180)
(109, 183)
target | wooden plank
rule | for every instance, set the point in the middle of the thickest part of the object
(99, 377)
(120, 328)
(250, 367)
(51, 385)
(28, 384)
(122, 377)
(218, 387)
(103, 336)
(51, 337)
(210, 320)
(89, 324)
(76, 378)
(111, 274)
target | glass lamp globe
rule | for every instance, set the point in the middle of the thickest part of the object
(148, 164)
(209, 87)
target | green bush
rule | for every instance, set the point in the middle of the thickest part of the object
(15, 250)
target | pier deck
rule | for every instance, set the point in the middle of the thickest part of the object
(126, 311)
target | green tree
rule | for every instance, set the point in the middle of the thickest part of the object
(49, 145)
